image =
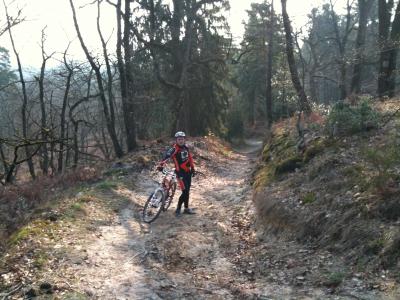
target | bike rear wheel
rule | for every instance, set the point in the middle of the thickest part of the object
(153, 206)
(169, 196)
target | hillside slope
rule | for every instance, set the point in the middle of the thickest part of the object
(340, 193)
(91, 243)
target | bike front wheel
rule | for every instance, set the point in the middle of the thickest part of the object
(153, 206)
(169, 196)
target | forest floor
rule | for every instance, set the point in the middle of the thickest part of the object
(96, 247)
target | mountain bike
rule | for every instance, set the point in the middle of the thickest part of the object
(160, 199)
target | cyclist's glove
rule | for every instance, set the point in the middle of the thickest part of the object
(193, 172)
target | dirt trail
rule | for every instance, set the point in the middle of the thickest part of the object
(214, 254)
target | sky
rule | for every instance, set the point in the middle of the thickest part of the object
(56, 16)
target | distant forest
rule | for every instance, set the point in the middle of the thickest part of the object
(176, 66)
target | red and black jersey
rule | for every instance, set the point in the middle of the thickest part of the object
(182, 158)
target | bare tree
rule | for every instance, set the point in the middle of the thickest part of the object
(24, 117)
(11, 22)
(110, 121)
(70, 72)
(302, 97)
(44, 128)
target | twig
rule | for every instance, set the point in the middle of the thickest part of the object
(16, 289)
(145, 252)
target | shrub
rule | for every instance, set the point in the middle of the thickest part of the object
(345, 119)
(384, 160)
(309, 198)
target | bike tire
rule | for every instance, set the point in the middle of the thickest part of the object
(148, 215)
(169, 197)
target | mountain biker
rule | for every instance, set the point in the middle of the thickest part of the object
(184, 168)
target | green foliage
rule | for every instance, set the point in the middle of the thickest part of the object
(76, 210)
(309, 198)
(384, 160)
(314, 149)
(335, 279)
(40, 258)
(374, 247)
(6, 74)
(289, 164)
(37, 227)
(249, 74)
(107, 185)
(235, 124)
(345, 119)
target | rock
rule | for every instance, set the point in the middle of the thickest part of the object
(31, 293)
(45, 286)
(301, 278)
(89, 293)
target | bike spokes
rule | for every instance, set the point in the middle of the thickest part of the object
(153, 206)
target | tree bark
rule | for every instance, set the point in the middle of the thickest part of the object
(44, 130)
(302, 97)
(268, 98)
(394, 41)
(130, 85)
(128, 112)
(385, 13)
(364, 7)
(63, 113)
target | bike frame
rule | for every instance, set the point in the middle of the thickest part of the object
(168, 180)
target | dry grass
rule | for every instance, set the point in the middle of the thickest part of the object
(18, 201)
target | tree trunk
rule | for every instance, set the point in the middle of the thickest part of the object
(384, 10)
(24, 101)
(302, 97)
(63, 113)
(394, 39)
(128, 113)
(44, 130)
(130, 85)
(268, 98)
(364, 7)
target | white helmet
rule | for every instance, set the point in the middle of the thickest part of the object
(180, 134)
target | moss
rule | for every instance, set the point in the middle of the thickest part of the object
(76, 210)
(264, 176)
(40, 259)
(277, 146)
(317, 147)
(374, 247)
(391, 254)
(74, 296)
(334, 279)
(20, 235)
(309, 198)
(116, 172)
(107, 185)
(289, 165)
(37, 227)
